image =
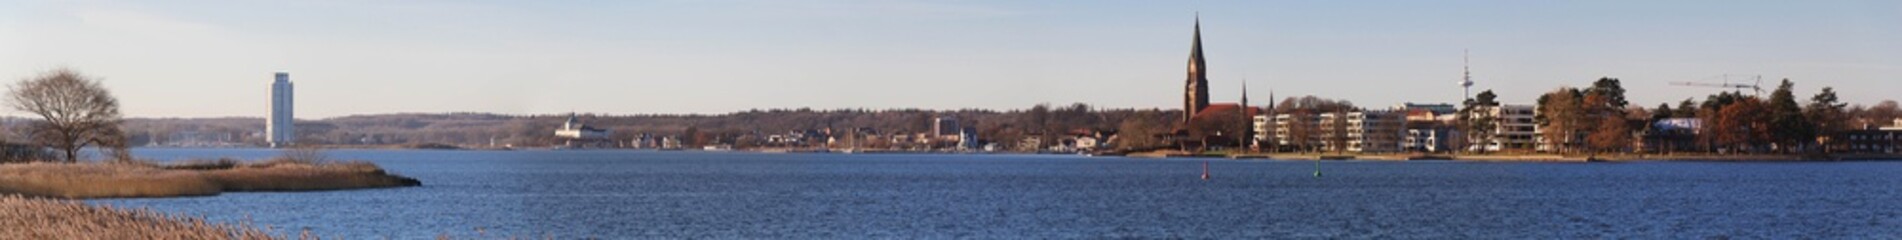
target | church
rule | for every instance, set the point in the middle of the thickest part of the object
(1207, 126)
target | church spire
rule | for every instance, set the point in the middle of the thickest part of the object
(1196, 93)
(1248, 120)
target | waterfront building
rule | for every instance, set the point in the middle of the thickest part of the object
(1876, 140)
(1429, 127)
(1375, 131)
(1428, 136)
(1514, 128)
(1264, 126)
(1670, 135)
(1357, 131)
(1297, 131)
(967, 139)
(672, 143)
(573, 129)
(644, 141)
(280, 126)
(944, 128)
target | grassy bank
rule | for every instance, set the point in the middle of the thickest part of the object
(107, 180)
(24, 218)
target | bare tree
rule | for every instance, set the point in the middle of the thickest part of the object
(76, 112)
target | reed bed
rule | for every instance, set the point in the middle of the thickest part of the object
(100, 180)
(199, 178)
(27, 218)
(296, 176)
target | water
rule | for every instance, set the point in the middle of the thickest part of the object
(634, 194)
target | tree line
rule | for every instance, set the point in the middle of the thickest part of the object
(1598, 119)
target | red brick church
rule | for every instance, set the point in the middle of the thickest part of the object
(1196, 133)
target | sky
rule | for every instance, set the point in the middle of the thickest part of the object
(196, 58)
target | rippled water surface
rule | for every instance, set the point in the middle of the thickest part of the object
(639, 194)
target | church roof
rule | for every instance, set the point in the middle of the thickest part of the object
(1224, 108)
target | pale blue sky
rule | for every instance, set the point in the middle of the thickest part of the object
(215, 58)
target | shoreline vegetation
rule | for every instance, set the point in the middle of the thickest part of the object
(190, 178)
(35, 218)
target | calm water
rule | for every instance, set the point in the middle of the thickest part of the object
(633, 194)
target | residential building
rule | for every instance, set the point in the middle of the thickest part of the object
(1375, 131)
(1513, 128)
(1358, 131)
(1429, 109)
(1428, 136)
(1429, 127)
(1297, 131)
(1876, 140)
(1264, 126)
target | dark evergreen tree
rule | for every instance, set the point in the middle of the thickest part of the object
(1611, 90)
(1789, 128)
(1663, 112)
(1827, 115)
(1686, 109)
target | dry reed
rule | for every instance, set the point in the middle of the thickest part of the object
(26, 218)
(294, 176)
(101, 180)
(107, 180)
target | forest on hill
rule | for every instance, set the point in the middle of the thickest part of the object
(479, 129)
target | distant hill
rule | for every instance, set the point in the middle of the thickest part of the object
(477, 129)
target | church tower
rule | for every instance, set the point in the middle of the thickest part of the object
(1196, 94)
(1248, 121)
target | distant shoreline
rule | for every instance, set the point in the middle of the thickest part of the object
(1531, 157)
(1491, 157)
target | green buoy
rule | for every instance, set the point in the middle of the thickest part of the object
(1317, 168)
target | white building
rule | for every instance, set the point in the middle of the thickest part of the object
(279, 129)
(1297, 130)
(573, 129)
(1514, 129)
(1430, 127)
(1362, 131)
(1376, 131)
(1264, 129)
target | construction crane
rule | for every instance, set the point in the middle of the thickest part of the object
(1757, 87)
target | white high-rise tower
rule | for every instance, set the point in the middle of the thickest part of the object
(278, 127)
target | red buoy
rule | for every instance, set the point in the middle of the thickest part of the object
(1205, 170)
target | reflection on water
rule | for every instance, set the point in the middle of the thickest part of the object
(633, 194)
